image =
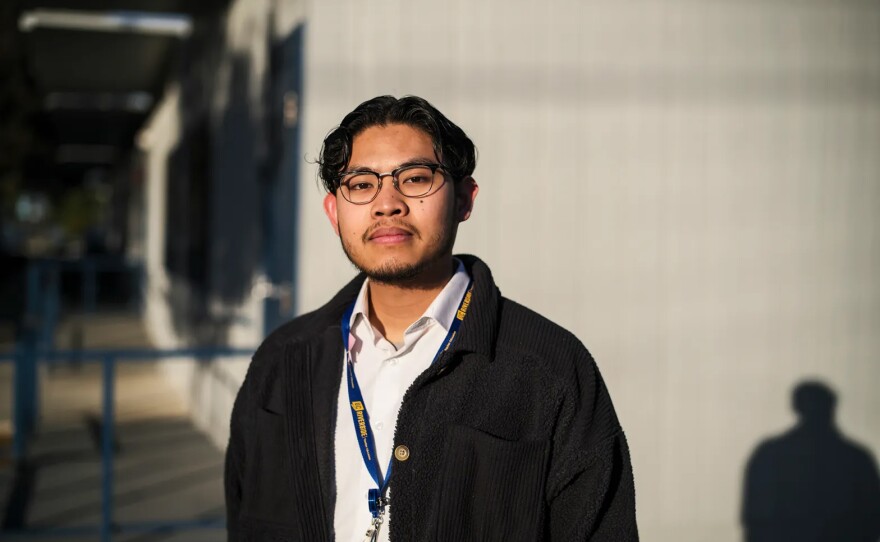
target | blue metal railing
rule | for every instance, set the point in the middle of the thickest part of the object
(36, 345)
(108, 359)
(42, 283)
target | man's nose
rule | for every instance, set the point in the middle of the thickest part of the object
(389, 202)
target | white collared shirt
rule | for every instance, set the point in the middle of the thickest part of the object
(384, 373)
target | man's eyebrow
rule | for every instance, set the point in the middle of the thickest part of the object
(411, 162)
(418, 162)
(358, 169)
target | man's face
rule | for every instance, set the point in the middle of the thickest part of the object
(394, 239)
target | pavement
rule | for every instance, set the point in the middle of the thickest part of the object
(165, 469)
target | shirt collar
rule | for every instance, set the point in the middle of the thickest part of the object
(442, 310)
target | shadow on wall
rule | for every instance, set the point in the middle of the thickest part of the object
(213, 232)
(191, 182)
(811, 483)
(231, 181)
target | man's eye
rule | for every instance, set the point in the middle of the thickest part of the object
(417, 180)
(354, 187)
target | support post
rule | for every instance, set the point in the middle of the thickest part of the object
(107, 451)
(25, 392)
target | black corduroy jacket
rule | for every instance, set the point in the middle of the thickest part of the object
(511, 432)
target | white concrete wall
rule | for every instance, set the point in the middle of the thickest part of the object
(690, 187)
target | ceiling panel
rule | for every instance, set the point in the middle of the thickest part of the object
(69, 60)
(82, 76)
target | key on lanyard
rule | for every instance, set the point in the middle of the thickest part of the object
(372, 534)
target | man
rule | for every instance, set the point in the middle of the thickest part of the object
(420, 404)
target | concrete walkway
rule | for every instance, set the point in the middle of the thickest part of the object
(165, 468)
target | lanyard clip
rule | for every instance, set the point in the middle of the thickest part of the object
(377, 502)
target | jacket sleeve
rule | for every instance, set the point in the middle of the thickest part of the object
(590, 488)
(235, 457)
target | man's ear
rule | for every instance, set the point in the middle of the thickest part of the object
(330, 210)
(465, 193)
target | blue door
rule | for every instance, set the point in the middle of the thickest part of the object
(281, 172)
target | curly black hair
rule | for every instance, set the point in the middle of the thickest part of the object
(453, 147)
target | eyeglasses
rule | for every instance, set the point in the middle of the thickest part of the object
(413, 181)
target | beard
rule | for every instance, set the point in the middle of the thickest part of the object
(403, 274)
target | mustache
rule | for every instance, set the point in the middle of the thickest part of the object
(394, 223)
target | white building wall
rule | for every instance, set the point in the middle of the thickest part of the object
(690, 187)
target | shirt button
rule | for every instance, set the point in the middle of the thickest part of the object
(380, 426)
(401, 453)
(394, 362)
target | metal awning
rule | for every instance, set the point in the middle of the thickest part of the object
(98, 68)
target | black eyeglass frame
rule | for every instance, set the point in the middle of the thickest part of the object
(433, 166)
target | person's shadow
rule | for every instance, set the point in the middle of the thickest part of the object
(811, 483)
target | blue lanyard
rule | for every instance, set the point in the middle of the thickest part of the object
(362, 428)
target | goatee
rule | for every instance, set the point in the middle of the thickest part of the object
(396, 273)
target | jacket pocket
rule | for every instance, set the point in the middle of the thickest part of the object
(491, 489)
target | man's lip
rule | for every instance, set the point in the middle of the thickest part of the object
(389, 232)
